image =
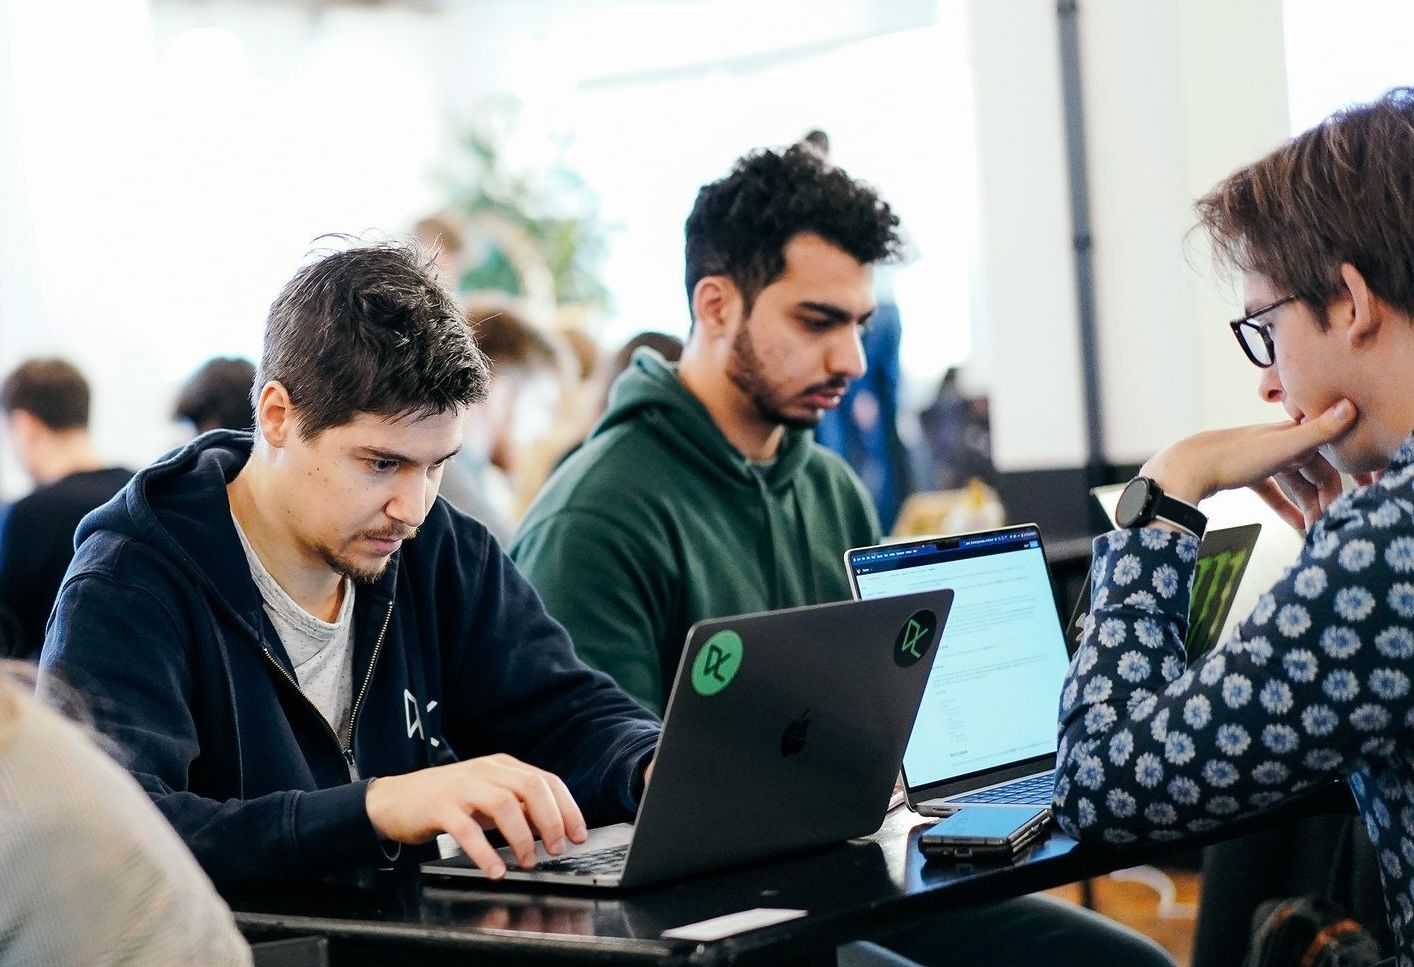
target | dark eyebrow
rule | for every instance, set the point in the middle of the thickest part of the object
(376, 453)
(833, 313)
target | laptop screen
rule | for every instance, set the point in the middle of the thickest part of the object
(993, 694)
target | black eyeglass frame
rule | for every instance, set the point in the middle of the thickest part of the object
(1264, 329)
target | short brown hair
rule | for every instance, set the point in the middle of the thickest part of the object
(369, 330)
(51, 390)
(1341, 192)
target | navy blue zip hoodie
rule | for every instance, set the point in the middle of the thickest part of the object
(160, 627)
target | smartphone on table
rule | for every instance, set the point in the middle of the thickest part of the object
(994, 833)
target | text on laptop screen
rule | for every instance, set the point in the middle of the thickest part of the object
(995, 686)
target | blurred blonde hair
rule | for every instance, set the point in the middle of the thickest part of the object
(16, 684)
(19, 691)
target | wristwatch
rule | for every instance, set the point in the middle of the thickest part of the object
(1143, 501)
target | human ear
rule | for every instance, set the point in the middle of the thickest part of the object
(23, 426)
(274, 414)
(715, 303)
(1364, 313)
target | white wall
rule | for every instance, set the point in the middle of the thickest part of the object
(1177, 93)
(1165, 121)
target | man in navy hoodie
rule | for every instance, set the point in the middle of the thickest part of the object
(308, 658)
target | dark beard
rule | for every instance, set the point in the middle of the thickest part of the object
(745, 371)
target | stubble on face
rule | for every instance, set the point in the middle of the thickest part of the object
(347, 565)
(748, 374)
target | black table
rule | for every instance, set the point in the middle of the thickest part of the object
(858, 890)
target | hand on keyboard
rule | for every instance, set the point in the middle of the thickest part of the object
(496, 791)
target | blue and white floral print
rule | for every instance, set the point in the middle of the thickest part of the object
(1315, 684)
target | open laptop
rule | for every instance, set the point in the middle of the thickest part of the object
(986, 730)
(770, 716)
(1223, 557)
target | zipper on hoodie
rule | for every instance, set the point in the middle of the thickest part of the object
(363, 691)
(345, 748)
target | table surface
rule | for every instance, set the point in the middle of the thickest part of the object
(854, 890)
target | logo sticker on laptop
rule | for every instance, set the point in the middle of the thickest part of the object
(914, 638)
(717, 663)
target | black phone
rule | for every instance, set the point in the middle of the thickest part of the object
(985, 833)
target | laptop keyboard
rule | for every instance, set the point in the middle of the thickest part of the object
(610, 859)
(1035, 790)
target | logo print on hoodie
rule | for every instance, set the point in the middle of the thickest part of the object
(414, 717)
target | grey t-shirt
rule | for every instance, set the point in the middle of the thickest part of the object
(321, 651)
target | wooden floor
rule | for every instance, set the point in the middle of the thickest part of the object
(1129, 899)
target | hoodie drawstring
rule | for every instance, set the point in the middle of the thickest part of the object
(770, 534)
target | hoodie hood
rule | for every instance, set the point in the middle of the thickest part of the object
(650, 393)
(168, 505)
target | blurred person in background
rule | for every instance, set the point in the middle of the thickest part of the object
(93, 873)
(611, 367)
(520, 403)
(217, 397)
(46, 407)
(440, 235)
(957, 436)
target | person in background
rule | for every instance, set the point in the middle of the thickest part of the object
(218, 396)
(440, 235)
(957, 437)
(46, 407)
(93, 873)
(1315, 684)
(525, 371)
(612, 367)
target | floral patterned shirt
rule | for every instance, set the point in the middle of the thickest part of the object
(1314, 684)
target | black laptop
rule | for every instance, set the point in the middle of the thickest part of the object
(771, 716)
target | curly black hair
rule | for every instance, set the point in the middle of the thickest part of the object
(740, 225)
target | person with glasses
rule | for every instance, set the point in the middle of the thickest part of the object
(1318, 681)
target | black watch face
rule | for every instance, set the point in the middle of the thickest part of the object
(1133, 503)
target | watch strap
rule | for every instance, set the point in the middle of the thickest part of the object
(1181, 514)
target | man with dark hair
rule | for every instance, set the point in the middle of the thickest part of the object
(312, 660)
(218, 396)
(701, 492)
(46, 404)
(1316, 682)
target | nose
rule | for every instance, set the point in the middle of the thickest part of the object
(412, 499)
(1269, 386)
(847, 354)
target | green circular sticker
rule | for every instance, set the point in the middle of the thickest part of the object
(717, 663)
(915, 638)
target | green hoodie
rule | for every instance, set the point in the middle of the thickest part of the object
(658, 522)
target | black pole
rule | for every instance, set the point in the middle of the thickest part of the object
(1077, 169)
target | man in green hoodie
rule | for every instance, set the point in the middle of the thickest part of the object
(701, 492)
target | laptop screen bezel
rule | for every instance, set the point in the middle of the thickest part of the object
(1020, 768)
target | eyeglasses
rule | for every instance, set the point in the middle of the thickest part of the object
(1255, 338)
